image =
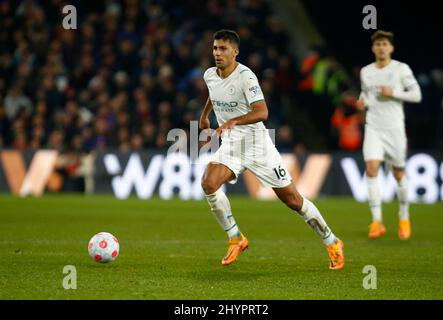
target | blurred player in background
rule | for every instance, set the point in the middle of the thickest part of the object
(239, 105)
(385, 85)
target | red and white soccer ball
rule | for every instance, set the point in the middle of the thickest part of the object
(103, 247)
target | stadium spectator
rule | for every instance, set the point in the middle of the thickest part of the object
(348, 123)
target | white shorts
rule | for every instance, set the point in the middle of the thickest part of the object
(388, 145)
(260, 157)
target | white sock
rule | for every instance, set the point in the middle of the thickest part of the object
(314, 219)
(221, 209)
(374, 199)
(402, 195)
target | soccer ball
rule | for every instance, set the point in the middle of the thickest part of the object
(103, 247)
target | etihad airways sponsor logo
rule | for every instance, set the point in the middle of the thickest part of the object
(224, 104)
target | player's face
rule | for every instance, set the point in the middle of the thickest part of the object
(382, 49)
(224, 53)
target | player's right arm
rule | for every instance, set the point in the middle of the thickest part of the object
(204, 122)
(360, 104)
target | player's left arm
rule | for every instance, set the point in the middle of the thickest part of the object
(256, 100)
(410, 92)
(258, 113)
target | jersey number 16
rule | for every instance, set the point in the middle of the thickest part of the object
(280, 172)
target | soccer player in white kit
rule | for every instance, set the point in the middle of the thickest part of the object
(239, 105)
(385, 85)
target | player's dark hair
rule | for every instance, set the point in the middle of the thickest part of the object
(228, 35)
(381, 34)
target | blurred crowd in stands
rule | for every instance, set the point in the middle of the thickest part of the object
(133, 70)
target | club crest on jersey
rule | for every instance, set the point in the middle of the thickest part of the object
(231, 89)
(255, 90)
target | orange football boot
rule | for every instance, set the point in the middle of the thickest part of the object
(404, 229)
(376, 229)
(235, 247)
(336, 255)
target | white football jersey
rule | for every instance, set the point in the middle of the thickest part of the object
(232, 97)
(385, 112)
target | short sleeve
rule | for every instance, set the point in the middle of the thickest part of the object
(251, 87)
(205, 75)
(407, 77)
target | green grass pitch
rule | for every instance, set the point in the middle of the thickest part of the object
(172, 250)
